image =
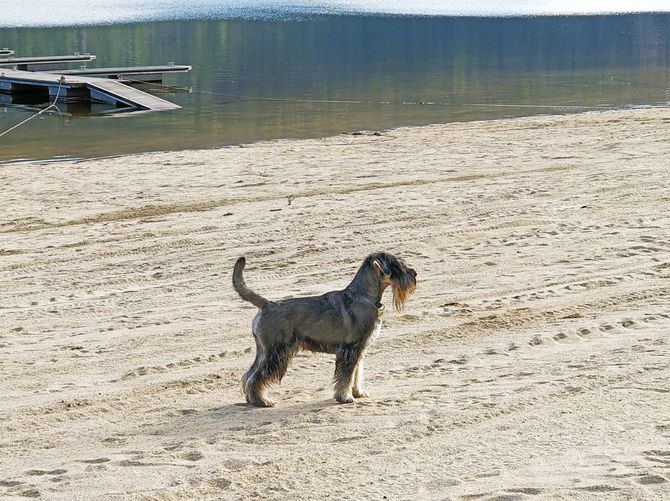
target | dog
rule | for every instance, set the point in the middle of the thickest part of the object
(339, 322)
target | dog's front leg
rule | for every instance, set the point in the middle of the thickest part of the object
(359, 380)
(346, 360)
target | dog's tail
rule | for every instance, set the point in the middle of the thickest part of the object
(241, 288)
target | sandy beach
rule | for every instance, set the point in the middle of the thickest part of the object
(533, 360)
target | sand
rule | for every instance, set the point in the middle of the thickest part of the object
(533, 360)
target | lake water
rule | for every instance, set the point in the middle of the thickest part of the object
(86, 12)
(267, 73)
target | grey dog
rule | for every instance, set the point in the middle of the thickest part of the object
(339, 322)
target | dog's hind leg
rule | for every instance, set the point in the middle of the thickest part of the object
(358, 389)
(245, 378)
(270, 368)
(346, 359)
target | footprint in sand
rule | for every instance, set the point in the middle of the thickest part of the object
(531, 491)
(9, 483)
(598, 488)
(219, 483)
(34, 473)
(560, 336)
(651, 480)
(95, 461)
(657, 456)
(30, 493)
(114, 441)
(191, 456)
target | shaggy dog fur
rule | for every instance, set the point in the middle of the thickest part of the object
(339, 322)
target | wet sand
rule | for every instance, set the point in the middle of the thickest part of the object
(533, 359)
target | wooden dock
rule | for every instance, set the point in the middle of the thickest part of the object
(45, 63)
(81, 87)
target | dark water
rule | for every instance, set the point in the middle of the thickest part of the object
(263, 79)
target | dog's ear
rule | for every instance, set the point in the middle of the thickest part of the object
(381, 269)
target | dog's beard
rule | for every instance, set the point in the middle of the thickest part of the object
(402, 289)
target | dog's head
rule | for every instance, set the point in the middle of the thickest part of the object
(395, 272)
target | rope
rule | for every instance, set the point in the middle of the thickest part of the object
(403, 103)
(52, 105)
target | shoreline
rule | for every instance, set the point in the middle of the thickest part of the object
(532, 359)
(362, 132)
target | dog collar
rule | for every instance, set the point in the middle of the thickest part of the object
(380, 309)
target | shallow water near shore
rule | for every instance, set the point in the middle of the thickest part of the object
(318, 75)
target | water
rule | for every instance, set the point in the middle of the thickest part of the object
(314, 75)
(86, 12)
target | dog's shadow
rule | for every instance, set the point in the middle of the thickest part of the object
(243, 419)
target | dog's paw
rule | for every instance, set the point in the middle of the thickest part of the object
(360, 393)
(345, 399)
(261, 402)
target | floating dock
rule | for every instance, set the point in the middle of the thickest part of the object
(45, 78)
(68, 87)
(132, 73)
(45, 63)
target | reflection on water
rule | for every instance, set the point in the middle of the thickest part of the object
(266, 79)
